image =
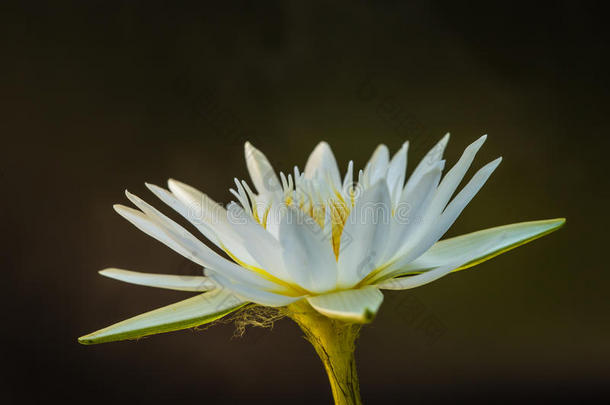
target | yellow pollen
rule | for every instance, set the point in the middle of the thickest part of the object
(339, 214)
(338, 210)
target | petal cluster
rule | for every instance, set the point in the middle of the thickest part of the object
(315, 235)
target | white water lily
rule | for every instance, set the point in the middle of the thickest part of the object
(319, 245)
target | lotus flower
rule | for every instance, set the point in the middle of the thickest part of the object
(319, 246)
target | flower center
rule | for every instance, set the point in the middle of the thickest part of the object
(317, 198)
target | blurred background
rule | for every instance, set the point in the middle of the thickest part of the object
(100, 96)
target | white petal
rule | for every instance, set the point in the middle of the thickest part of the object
(184, 243)
(513, 235)
(274, 217)
(195, 311)
(377, 166)
(206, 210)
(186, 211)
(431, 234)
(453, 178)
(364, 235)
(405, 283)
(184, 239)
(307, 252)
(348, 181)
(458, 260)
(433, 156)
(359, 306)
(323, 165)
(263, 176)
(461, 200)
(396, 173)
(168, 281)
(198, 204)
(408, 214)
(152, 228)
(253, 294)
(259, 243)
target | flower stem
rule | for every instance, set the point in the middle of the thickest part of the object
(335, 342)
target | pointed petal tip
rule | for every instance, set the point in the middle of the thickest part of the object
(320, 147)
(249, 148)
(442, 144)
(381, 146)
(109, 272)
(171, 182)
(86, 340)
(174, 184)
(119, 207)
(552, 224)
(155, 189)
(94, 338)
(496, 162)
(557, 222)
(476, 145)
(133, 198)
(324, 146)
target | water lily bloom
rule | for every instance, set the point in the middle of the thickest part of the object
(318, 245)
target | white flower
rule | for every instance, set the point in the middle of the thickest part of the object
(314, 236)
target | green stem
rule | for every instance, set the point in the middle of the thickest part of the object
(335, 342)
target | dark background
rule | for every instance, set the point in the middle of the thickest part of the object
(99, 96)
